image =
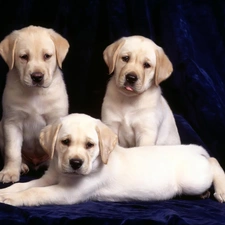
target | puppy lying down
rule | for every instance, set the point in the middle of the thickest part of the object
(87, 164)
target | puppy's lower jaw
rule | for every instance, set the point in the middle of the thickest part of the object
(36, 85)
(30, 84)
(74, 173)
(78, 172)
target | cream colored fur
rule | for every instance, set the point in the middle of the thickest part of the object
(135, 109)
(34, 96)
(87, 164)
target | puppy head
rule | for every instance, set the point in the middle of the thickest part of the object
(35, 52)
(137, 63)
(76, 142)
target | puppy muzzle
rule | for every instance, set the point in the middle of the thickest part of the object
(130, 84)
(130, 80)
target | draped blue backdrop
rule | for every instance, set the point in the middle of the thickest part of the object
(192, 33)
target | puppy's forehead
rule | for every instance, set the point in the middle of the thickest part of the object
(34, 40)
(79, 125)
(139, 45)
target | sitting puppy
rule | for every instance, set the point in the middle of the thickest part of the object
(133, 106)
(34, 96)
(87, 164)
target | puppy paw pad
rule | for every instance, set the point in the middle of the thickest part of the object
(6, 177)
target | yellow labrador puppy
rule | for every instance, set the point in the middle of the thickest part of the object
(87, 164)
(34, 96)
(133, 105)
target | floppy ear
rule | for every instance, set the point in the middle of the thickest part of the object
(164, 67)
(107, 141)
(111, 52)
(61, 46)
(7, 49)
(48, 137)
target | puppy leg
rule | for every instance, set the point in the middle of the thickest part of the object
(218, 180)
(146, 138)
(12, 153)
(35, 196)
(49, 178)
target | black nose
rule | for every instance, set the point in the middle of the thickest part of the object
(131, 78)
(76, 163)
(37, 77)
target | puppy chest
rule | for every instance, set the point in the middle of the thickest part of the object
(32, 125)
(126, 133)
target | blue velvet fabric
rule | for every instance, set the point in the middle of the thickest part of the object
(192, 33)
(107, 213)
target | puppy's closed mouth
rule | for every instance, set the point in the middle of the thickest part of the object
(38, 85)
(73, 173)
(35, 85)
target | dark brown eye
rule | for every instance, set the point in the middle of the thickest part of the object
(125, 58)
(47, 56)
(24, 57)
(146, 65)
(89, 145)
(66, 142)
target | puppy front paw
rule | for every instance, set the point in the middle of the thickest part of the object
(220, 196)
(7, 176)
(10, 199)
(24, 168)
(219, 187)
